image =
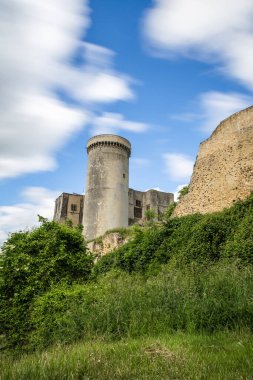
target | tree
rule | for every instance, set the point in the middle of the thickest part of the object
(34, 261)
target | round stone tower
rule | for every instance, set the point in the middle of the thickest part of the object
(106, 196)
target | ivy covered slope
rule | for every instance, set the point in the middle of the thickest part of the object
(193, 239)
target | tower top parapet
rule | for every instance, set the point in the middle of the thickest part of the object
(110, 141)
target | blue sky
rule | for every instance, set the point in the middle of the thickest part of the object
(161, 73)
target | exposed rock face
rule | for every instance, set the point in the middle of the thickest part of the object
(109, 242)
(223, 171)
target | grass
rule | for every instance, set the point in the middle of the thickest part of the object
(181, 356)
(121, 306)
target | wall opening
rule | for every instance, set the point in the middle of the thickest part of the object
(137, 212)
(73, 207)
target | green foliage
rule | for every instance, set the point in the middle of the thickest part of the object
(194, 238)
(183, 191)
(150, 216)
(192, 273)
(123, 231)
(241, 242)
(168, 212)
(121, 305)
(32, 263)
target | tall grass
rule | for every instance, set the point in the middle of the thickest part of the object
(180, 356)
(121, 305)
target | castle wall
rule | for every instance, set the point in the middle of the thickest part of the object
(135, 206)
(157, 200)
(69, 207)
(223, 171)
(141, 201)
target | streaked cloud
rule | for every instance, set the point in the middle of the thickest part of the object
(217, 106)
(213, 107)
(20, 216)
(39, 42)
(109, 122)
(178, 166)
(95, 80)
(215, 31)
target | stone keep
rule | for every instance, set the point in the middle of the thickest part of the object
(106, 196)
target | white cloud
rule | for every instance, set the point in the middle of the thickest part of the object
(210, 30)
(216, 106)
(37, 201)
(213, 107)
(113, 123)
(179, 166)
(39, 40)
(96, 80)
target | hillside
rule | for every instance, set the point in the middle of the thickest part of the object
(174, 302)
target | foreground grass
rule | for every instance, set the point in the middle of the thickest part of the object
(177, 356)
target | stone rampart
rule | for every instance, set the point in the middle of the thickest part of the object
(223, 171)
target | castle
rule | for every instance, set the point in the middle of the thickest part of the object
(108, 202)
(222, 174)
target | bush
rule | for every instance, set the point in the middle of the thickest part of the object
(121, 305)
(32, 263)
(193, 238)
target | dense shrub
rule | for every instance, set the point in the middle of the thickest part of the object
(240, 244)
(121, 305)
(181, 241)
(32, 263)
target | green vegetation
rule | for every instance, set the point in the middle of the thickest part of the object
(183, 191)
(174, 302)
(150, 217)
(179, 242)
(123, 231)
(120, 305)
(179, 356)
(33, 262)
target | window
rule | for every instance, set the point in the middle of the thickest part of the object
(73, 207)
(124, 176)
(137, 212)
(138, 203)
(148, 207)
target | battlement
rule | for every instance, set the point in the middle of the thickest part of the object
(109, 141)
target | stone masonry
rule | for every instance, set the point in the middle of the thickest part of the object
(107, 178)
(70, 206)
(223, 171)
